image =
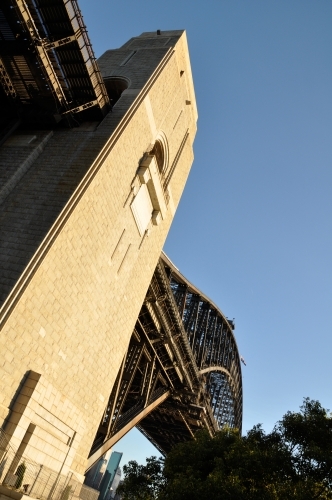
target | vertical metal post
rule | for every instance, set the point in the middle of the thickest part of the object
(21, 449)
(36, 478)
(150, 381)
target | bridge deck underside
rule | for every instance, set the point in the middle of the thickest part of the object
(165, 426)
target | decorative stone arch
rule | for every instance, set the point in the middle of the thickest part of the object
(160, 150)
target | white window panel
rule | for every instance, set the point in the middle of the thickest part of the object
(142, 208)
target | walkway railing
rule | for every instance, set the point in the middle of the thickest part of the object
(21, 474)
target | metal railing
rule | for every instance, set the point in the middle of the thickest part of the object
(19, 473)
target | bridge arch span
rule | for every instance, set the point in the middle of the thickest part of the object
(212, 341)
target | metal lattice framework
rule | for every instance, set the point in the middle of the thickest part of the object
(48, 70)
(212, 341)
(181, 371)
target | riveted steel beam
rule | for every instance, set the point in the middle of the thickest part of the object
(107, 445)
(186, 347)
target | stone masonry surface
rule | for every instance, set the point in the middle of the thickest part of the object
(74, 268)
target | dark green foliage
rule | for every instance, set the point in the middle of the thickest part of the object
(20, 475)
(142, 482)
(227, 466)
(294, 461)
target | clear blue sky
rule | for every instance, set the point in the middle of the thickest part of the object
(253, 229)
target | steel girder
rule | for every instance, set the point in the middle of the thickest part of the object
(181, 371)
(213, 344)
(48, 71)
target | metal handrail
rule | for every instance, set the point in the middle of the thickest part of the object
(20, 473)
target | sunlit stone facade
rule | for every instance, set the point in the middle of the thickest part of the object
(81, 233)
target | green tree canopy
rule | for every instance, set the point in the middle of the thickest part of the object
(294, 461)
(142, 482)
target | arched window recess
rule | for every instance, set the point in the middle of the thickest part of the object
(115, 85)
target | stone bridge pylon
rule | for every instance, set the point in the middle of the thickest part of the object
(181, 371)
(94, 157)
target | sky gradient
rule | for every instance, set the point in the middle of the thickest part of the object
(253, 229)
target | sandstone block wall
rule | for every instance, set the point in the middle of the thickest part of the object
(74, 266)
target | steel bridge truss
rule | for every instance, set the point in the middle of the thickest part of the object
(48, 70)
(181, 371)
